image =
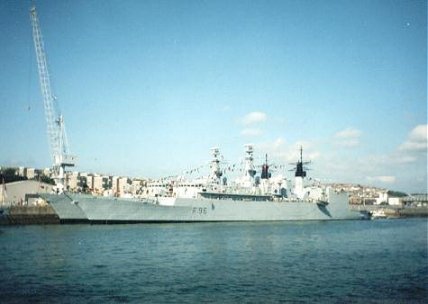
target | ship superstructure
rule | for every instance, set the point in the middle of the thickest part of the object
(275, 188)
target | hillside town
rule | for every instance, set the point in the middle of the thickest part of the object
(82, 182)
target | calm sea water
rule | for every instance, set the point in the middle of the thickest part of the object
(335, 262)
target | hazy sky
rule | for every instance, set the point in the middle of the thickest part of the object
(148, 87)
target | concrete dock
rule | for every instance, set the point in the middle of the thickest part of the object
(29, 215)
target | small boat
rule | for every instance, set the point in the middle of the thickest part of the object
(378, 214)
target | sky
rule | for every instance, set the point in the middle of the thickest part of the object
(147, 88)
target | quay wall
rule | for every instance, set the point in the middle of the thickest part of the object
(408, 212)
(398, 211)
(29, 215)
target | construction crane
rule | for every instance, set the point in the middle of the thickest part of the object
(55, 122)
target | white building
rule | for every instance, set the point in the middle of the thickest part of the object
(136, 185)
(30, 173)
(97, 184)
(47, 172)
(72, 180)
(21, 171)
(120, 185)
(395, 201)
(382, 198)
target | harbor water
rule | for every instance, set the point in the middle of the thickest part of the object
(334, 261)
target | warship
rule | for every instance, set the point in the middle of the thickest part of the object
(250, 197)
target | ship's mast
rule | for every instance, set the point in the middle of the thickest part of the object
(215, 164)
(249, 161)
(55, 123)
(300, 172)
(299, 175)
(265, 170)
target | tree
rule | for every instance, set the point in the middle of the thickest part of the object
(9, 175)
(392, 193)
(47, 180)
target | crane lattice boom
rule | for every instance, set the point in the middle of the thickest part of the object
(55, 123)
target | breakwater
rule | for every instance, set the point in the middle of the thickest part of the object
(393, 211)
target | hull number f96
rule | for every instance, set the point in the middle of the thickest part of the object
(199, 210)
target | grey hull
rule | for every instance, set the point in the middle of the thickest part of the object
(84, 208)
(65, 208)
